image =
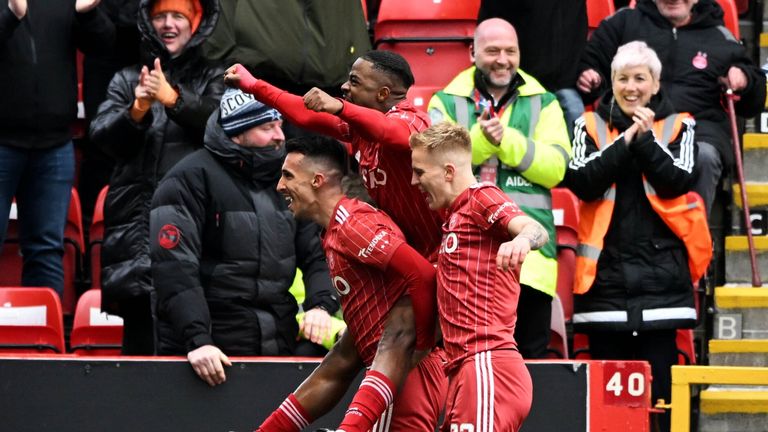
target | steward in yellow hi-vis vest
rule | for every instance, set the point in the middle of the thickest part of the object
(643, 235)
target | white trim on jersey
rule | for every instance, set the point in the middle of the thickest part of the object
(293, 413)
(385, 421)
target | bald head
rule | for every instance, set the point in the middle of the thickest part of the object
(496, 53)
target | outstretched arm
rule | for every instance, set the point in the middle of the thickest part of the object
(291, 106)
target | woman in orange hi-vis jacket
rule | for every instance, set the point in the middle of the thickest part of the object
(643, 235)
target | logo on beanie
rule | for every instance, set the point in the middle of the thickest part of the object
(169, 236)
(700, 60)
(241, 111)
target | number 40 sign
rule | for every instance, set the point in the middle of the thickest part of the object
(625, 383)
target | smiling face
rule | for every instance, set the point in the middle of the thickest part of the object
(296, 185)
(678, 12)
(429, 175)
(496, 52)
(173, 29)
(363, 85)
(633, 87)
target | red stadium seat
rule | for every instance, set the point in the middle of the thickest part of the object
(558, 340)
(434, 37)
(731, 13)
(94, 332)
(420, 96)
(96, 238)
(30, 320)
(74, 245)
(597, 11)
(565, 208)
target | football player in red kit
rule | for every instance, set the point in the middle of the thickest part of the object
(485, 240)
(376, 274)
(377, 120)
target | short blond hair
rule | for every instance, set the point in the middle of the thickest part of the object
(442, 138)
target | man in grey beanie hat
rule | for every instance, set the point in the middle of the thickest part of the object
(225, 248)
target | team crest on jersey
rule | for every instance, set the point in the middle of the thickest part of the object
(700, 60)
(169, 236)
(452, 223)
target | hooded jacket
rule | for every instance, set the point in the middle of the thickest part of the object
(224, 279)
(38, 78)
(693, 56)
(145, 151)
(643, 267)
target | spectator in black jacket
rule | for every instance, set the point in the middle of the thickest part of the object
(697, 51)
(225, 247)
(154, 115)
(38, 41)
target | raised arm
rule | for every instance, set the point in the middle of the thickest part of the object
(290, 105)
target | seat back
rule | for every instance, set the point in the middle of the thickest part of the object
(419, 96)
(96, 238)
(30, 320)
(433, 36)
(95, 333)
(558, 340)
(597, 11)
(565, 209)
(74, 246)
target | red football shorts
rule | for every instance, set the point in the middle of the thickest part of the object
(419, 402)
(490, 392)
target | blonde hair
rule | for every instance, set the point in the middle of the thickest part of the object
(636, 53)
(443, 138)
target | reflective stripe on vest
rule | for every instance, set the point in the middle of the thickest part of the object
(685, 215)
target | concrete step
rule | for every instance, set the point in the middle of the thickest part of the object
(738, 352)
(733, 409)
(741, 312)
(737, 265)
(757, 193)
(755, 160)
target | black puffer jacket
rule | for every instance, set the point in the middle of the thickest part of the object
(145, 151)
(693, 57)
(643, 281)
(38, 77)
(224, 280)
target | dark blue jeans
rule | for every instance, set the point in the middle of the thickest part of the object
(41, 181)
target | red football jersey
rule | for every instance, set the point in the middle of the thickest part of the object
(385, 156)
(386, 173)
(359, 243)
(477, 302)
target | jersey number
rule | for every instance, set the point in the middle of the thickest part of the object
(374, 178)
(341, 285)
(464, 427)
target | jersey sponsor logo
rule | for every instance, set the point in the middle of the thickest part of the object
(450, 243)
(366, 252)
(374, 178)
(169, 236)
(700, 60)
(341, 285)
(492, 218)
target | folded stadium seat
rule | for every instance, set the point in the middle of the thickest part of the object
(597, 11)
(30, 320)
(95, 333)
(74, 245)
(558, 340)
(434, 36)
(420, 95)
(565, 209)
(96, 238)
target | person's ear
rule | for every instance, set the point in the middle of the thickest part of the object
(383, 94)
(450, 171)
(318, 180)
(472, 53)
